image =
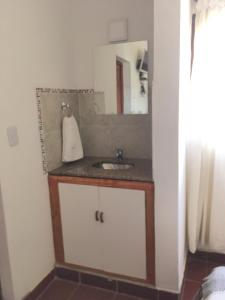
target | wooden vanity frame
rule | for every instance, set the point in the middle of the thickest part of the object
(149, 206)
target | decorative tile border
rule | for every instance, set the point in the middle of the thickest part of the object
(65, 91)
(39, 91)
(41, 133)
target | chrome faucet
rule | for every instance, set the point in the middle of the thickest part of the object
(119, 154)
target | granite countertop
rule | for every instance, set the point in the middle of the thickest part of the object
(142, 170)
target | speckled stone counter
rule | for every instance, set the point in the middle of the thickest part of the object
(142, 170)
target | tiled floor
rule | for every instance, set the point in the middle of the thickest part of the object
(65, 290)
(198, 267)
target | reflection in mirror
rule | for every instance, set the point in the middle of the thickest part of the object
(121, 77)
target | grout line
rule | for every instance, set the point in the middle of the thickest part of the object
(73, 292)
(114, 296)
(76, 287)
(79, 278)
(157, 295)
(117, 286)
(43, 292)
(191, 280)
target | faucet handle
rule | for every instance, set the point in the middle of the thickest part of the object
(119, 154)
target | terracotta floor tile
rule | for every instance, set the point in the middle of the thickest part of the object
(211, 265)
(162, 295)
(137, 291)
(190, 290)
(198, 256)
(58, 290)
(125, 297)
(196, 270)
(97, 281)
(89, 293)
(216, 257)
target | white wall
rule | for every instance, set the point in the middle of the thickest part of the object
(170, 84)
(185, 69)
(5, 266)
(105, 76)
(35, 52)
(90, 30)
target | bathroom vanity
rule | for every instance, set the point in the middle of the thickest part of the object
(103, 220)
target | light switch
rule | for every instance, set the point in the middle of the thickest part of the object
(12, 134)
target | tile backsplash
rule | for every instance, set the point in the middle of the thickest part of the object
(100, 134)
(50, 121)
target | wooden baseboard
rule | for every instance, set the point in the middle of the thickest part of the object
(40, 287)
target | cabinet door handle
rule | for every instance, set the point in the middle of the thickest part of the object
(97, 215)
(102, 217)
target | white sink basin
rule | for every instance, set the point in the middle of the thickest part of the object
(113, 165)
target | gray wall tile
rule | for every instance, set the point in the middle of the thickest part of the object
(100, 134)
(51, 116)
(88, 108)
(51, 108)
(53, 146)
(97, 140)
(134, 140)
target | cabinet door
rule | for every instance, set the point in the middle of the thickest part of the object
(123, 231)
(78, 204)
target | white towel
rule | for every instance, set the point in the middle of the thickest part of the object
(216, 296)
(72, 147)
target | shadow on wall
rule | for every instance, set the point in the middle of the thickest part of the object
(6, 287)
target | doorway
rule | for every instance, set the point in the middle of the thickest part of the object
(120, 87)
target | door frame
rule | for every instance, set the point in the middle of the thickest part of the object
(148, 187)
(119, 87)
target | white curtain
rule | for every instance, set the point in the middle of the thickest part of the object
(206, 132)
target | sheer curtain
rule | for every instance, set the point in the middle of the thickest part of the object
(206, 132)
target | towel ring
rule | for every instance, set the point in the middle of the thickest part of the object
(67, 109)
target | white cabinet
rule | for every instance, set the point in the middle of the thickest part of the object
(124, 231)
(116, 242)
(78, 204)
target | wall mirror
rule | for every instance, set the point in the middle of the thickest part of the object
(121, 78)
